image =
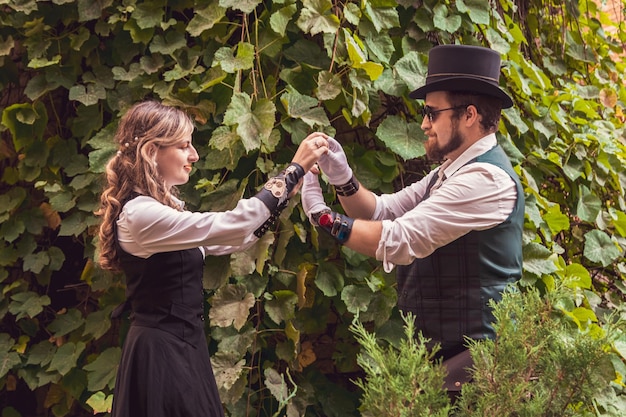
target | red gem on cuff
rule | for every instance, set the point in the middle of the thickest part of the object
(325, 220)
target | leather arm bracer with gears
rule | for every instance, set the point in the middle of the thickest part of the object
(276, 192)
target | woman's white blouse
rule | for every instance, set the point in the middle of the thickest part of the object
(146, 227)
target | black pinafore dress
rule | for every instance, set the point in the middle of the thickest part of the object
(165, 369)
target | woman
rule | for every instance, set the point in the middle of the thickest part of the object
(165, 369)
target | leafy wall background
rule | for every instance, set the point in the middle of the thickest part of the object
(258, 77)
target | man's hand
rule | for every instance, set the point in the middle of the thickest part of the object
(334, 164)
(337, 225)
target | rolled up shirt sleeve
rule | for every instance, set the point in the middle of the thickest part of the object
(146, 227)
(478, 196)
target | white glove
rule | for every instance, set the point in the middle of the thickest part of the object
(312, 197)
(335, 164)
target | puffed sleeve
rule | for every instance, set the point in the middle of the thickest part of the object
(146, 226)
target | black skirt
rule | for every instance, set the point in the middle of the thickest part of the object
(161, 375)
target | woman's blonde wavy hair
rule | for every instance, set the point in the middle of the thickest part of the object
(143, 129)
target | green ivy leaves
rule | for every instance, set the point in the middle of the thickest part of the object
(258, 77)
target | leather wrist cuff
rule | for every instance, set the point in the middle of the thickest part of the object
(337, 225)
(271, 221)
(347, 189)
(275, 194)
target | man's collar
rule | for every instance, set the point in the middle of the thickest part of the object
(478, 148)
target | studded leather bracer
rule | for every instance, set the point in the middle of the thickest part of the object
(275, 194)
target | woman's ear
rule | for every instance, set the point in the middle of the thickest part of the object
(151, 149)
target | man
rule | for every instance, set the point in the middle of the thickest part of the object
(456, 235)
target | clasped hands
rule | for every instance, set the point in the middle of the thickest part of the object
(333, 163)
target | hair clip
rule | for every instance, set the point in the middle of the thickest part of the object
(119, 153)
(126, 144)
(136, 138)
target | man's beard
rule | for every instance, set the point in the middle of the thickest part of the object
(436, 153)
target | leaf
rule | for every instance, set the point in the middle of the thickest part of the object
(444, 20)
(600, 248)
(246, 6)
(412, 70)
(134, 70)
(62, 201)
(608, 97)
(478, 10)
(619, 221)
(380, 307)
(89, 94)
(620, 345)
(205, 18)
(383, 18)
(496, 41)
(316, 17)
(27, 304)
(8, 359)
(303, 277)
(556, 220)
(149, 14)
(589, 205)
(38, 63)
(41, 353)
(91, 10)
(76, 223)
(261, 251)
(304, 107)
(39, 86)
(231, 304)
(172, 42)
(538, 259)
(329, 279)
(254, 122)
(281, 306)
(101, 372)
(403, 138)
(12, 229)
(12, 199)
(275, 382)
(381, 46)
(66, 323)
(227, 369)
(359, 60)
(212, 77)
(242, 60)
(329, 85)
(98, 323)
(223, 138)
(66, 357)
(281, 18)
(26, 123)
(356, 298)
(577, 276)
(225, 197)
(242, 263)
(236, 343)
(100, 402)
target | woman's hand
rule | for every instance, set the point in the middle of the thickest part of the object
(311, 149)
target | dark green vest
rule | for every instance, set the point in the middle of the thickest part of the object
(449, 290)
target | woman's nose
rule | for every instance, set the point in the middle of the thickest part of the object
(194, 154)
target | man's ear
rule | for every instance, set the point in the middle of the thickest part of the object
(471, 115)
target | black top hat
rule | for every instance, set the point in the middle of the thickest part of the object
(463, 68)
